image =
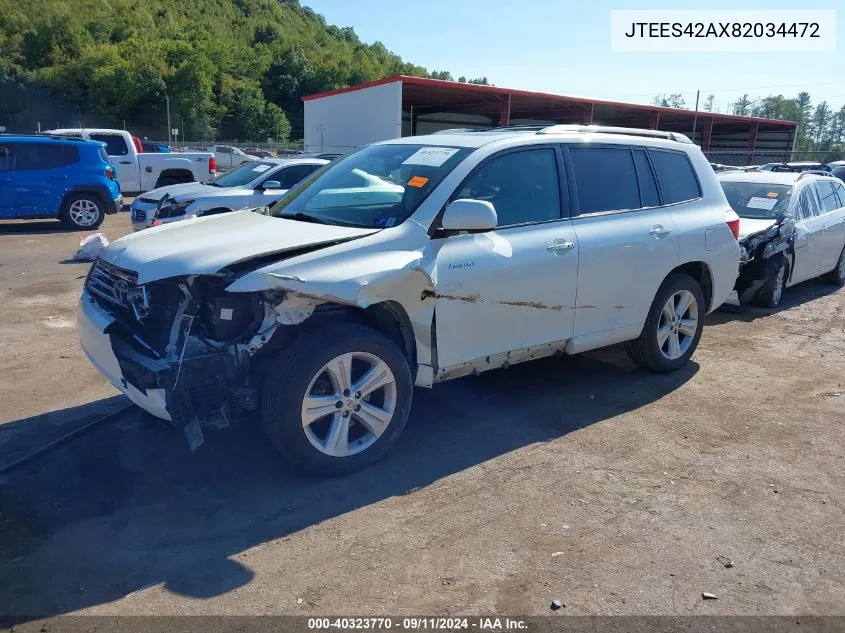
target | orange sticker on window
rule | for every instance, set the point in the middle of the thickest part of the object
(772, 194)
(417, 181)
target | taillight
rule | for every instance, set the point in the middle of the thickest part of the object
(109, 173)
(732, 220)
(212, 165)
(137, 142)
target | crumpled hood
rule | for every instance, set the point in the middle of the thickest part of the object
(749, 226)
(188, 191)
(204, 246)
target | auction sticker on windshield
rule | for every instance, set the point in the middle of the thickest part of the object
(261, 168)
(761, 203)
(431, 156)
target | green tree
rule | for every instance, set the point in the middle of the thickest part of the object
(675, 100)
(742, 106)
(708, 103)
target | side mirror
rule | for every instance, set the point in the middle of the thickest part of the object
(271, 184)
(469, 215)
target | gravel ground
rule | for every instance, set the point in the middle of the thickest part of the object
(582, 479)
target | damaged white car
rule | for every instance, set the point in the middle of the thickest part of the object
(463, 253)
(792, 228)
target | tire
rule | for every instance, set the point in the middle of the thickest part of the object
(771, 292)
(647, 350)
(83, 212)
(302, 370)
(837, 275)
(166, 182)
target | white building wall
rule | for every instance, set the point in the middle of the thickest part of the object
(339, 123)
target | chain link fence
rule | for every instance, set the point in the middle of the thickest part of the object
(742, 158)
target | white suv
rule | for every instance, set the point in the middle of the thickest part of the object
(410, 262)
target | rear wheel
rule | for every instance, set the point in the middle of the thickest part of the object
(673, 326)
(84, 211)
(837, 275)
(338, 399)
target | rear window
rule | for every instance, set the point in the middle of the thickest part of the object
(115, 144)
(605, 178)
(758, 201)
(675, 176)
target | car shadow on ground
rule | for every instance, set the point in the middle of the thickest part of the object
(792, 297)
(33, 227)
(126, 506)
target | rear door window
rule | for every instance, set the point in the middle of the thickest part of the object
(291, 176)
(827, 196)
(30, 156)
(675, 176)
(605, 178)
(840, 193)
(115, 144)
(7, 158)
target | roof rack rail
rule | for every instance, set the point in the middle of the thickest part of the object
(813, 172)
(628, 131)
(44, 135)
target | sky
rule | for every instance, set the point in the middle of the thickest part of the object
(564, 47)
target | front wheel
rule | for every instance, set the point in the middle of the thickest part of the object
(83, 212)
(338, 398)
(673, 326)
(771, 292)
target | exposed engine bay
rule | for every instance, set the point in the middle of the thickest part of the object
(189, 337)
(761, 255)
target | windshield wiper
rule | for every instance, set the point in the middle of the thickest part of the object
(305, 217)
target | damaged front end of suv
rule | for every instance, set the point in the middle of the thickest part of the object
(188, 343)
(765, 260)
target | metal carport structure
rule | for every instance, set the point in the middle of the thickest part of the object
(400, 105)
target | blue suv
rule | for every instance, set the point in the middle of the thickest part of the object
(57, 177)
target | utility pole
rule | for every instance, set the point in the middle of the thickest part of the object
(695, 118)
(169, 137)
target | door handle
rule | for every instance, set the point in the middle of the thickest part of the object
(559, 247)
(659, 231)
(126, 162)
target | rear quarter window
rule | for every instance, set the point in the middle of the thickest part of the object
(115, 144)
(675, 176)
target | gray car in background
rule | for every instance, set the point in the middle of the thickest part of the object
(254, 184)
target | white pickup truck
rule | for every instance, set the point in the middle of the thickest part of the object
(137, 171)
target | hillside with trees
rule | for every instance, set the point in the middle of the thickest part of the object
(232, 69)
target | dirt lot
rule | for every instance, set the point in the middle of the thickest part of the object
(582, 479)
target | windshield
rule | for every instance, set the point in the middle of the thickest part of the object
(378, 186)
(242, 175)
(758, 201)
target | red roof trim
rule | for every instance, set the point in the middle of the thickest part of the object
(440, 83)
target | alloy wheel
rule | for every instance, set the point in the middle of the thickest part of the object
(678, 324)
(349, 404)
(84, 212)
